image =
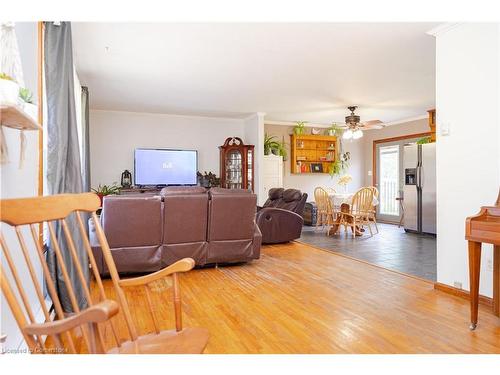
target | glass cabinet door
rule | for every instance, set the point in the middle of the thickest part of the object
(250, 169)
(234, 177)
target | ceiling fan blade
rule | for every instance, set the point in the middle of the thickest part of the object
(373, 124)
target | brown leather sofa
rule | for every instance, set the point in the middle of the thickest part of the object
(147, 233)
(280, 219)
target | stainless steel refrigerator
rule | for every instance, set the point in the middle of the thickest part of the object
(420, 188)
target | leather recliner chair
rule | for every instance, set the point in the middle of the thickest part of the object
(280, 219)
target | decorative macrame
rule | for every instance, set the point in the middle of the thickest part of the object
(10, 60)
(10, 64)
(4, 151)
(22, 152)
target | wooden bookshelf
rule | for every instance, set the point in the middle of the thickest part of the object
(312, 149)
(15, 117)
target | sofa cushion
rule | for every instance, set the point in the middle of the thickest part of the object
(276, 193)
(290, 195)
(222, 191)
(231, 215)
(132, 221)
(185, 217)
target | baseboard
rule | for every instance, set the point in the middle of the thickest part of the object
(483, 300)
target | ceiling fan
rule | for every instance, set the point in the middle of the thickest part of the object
(355, 127)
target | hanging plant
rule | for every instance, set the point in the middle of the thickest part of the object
(340, 165)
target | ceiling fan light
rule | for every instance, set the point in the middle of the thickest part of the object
(357, 134)
(347, 134)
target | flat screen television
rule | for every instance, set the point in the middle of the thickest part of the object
(165, 167)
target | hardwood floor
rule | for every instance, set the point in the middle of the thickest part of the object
(299, 299)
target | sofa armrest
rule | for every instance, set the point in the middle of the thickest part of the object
(279, 225)
(257, 242)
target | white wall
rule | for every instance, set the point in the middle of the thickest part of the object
(115, 135)
(253, 130)
(16, 182)
(468, 160)
(308, 182)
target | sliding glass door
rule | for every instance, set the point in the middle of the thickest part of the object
(389, 166)
(390, 178)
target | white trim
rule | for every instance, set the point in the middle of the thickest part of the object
(291, 123)
(176, 115)
(443, 28)
(256, 114)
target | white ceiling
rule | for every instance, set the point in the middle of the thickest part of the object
(294, 71)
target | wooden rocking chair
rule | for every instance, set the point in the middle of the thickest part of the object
(59, 333)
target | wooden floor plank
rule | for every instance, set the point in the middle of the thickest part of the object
(299, 299)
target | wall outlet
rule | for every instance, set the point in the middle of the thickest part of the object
(457, 284)
(489, 264)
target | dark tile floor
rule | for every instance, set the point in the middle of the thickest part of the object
(392, 248)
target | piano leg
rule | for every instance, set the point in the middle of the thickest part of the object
(474, 270)
(496, 280)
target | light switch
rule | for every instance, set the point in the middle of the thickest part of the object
(370, 173)
(445, 128)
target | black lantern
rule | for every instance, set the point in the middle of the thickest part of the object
(126, 179)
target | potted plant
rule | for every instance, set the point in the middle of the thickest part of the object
(26, 98)
(334, 129)
(299, 128)
(103, 190)
(272, 146)
(424, 140)
(344, 181)
(208, 180)
(9, 90)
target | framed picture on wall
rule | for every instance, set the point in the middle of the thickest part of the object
(316, 168)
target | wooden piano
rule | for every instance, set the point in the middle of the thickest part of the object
(483, 227)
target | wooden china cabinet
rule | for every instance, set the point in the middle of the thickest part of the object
(236, 164)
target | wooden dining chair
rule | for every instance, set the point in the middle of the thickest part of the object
(325, 214)
(359, 211)
(99, 327)
(373, 210)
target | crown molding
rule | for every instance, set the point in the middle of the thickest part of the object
(293, 123)
(443, 28)
(260, 115)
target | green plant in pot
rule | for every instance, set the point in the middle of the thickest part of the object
(299, 128)
(272, 146)
(424, 140)
(208, 180)
(334, 130)
(103, 190)
(26, 95)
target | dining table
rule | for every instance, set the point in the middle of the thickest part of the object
(342, 203)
